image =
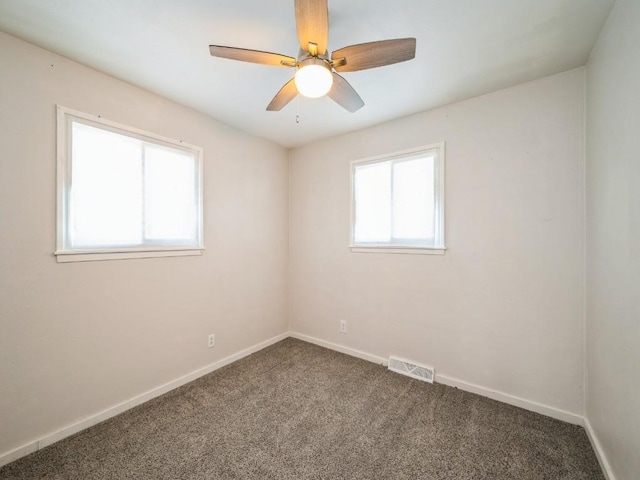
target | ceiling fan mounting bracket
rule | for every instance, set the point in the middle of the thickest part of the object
(338, 62)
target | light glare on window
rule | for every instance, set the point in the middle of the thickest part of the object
(126, 192)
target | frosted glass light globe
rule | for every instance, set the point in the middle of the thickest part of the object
(313, 79)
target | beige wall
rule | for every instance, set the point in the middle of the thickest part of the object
(503, 308)
(79, 338)
(613, 240)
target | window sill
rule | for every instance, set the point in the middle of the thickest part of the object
(94, 256)
(403, 250)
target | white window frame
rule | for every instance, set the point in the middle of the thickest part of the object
(64, 253)
(439, 166)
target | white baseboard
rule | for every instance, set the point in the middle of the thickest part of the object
(512, 400)
(597, 447)
(340, 348)
(19, 452)
(53, 437)
(453, 382)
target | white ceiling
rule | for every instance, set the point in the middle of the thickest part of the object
(464, 48)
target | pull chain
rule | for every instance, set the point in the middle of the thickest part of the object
(298, 109)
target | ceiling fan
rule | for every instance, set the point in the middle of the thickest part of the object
(316, 72)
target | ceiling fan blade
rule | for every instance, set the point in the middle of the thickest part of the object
(312, 22)
(253, 56)
(344, 94)
(287, 93)
(373, 54)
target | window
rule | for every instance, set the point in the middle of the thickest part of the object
(124, 193)
(398, 202)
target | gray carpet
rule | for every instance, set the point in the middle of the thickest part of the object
(298, 411)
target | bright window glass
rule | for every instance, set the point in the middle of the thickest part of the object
(399, 200)
(373, 203)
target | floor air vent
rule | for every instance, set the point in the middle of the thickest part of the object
(411, 369)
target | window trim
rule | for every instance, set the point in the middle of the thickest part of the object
(63, 176)
(440, 204)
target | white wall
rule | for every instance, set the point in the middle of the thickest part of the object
(613, 240)
(503, 308)
(79, 338)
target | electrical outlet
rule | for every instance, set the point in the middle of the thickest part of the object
(343, 326)
(212, 340)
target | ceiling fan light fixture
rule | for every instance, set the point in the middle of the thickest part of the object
(314, 78)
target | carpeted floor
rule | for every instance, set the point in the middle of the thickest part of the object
(298, 411)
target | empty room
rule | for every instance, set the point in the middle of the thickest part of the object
(320, 239)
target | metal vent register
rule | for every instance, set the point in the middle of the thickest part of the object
(410, 369)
